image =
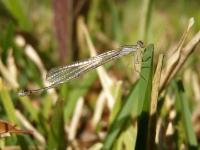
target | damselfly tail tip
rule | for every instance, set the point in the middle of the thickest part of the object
(24, 93)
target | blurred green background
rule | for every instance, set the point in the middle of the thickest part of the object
(36, 36)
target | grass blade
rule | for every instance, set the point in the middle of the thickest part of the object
(144, 98)
(7, 103)
(28, 106)
(18, 8)
(129, 109)
(154, 101)
(145, 19)
(186, 115)
(56, 132)
(77, 92)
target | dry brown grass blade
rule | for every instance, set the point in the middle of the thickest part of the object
(185, 52)
(36, 134)
(155, 85)
(33, 55)
(73, 129)
(154, 100)
(105, 80)
(7, 75)
(102, 38)
(99, 106)
(7, 127)
(195, 86)
(177, 60)
(174, 59)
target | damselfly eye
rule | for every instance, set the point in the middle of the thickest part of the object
(140, 43)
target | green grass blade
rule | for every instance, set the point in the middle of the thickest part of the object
(92, 15)
(126, 138)
(145, 82)
(56, 132)
(6, 39)
(8, 106)
(145, 19)
(144, 98)
(129, 109)
(7, 103)
(117, 94)
(18, 8)
(47, 104)
(116, 24)
(186, 115)
(28, 106)
(123, 116)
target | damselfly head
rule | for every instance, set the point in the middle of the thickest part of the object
(140, 44)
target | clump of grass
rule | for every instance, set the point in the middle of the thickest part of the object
(88, 113)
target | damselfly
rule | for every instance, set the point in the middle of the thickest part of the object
(63, 74)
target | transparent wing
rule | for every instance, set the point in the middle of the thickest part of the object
(62, 74)
(57, 70)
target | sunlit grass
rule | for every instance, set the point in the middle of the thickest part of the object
(107, 108)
